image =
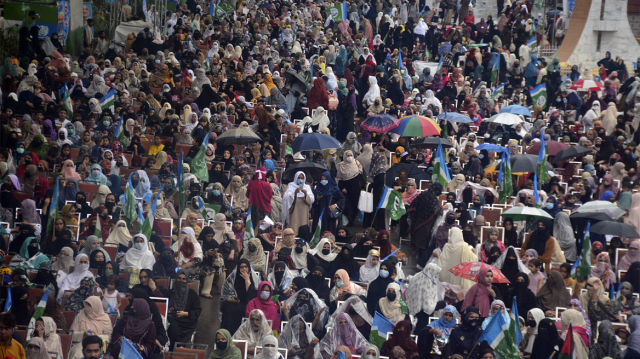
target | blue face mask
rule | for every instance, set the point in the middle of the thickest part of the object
(549, 205)
(158, 62)
(20, 150)
(384, 273)
(71, 132)
(139, 246)
(106, 123)
(300, 182)
(324, 182)
(215, 192)
(339, 284)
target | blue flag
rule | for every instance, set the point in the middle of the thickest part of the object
(9, 302)
(516, 319)
(400, 60)
(128, 350)
(535, 190)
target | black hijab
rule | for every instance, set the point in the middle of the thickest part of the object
(526, 299)
(7, 199)
(546, 340)
(539, 237)
(360, 250)
(318, 283)
(378, 288)
(345, 261)
(243, 294)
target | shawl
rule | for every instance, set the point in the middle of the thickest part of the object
(257, 258)
(634, 339)
(51, 339)
(425, 290)
(478, 295)
(575, 318)
(120, 235)
(538, 315)
(235, 288)
(69, 171)
(368, 272)
(392, 310)
(187, 246)
(317, 251)
(137, 324)
(300, 260)
(445, 326)
(220, 228)
(563, 232)
(246, 332)
(607, 345)
(456, 251)
(238, 193)
(29, 213)
(348, 170)
(553, 293)
(42, 351)
(138, 258)
(64, 263)
(179, 293)
(260, 191)
(73, 279)
(296, 335)
(230, 351)
(378, 165)
(346, 335)
(92, 317)
(632, 256)
(497, 303)
(289, 198)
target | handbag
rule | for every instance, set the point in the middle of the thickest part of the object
(365, 203)
(333, 102)
(334, 213)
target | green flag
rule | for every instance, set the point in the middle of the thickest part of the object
(583, 268)
(539, 95)
(440, 170)
(248, 227)
(130, 210)
(148, 222)
(392, 200)
(223, 9)
(37, 314)
(505, 180)
(98, 231)
(317, 233)
(199, 164)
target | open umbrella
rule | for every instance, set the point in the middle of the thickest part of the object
(314, 142)
(312, 170)
(238, 136)
(430, 142)
(615, 229)
(594, 216)
(607, 207)
(587, 85)
(380, 123)
(491, 148)
(516, 110)
(506, 119)
(526, 163)
(297, 82)
(454, 117)
(571, 152)
(415, 172)
(470, 270)
(524, 213)
(553, 146)
(417, 126)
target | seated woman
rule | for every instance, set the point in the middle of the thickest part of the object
(281, 279)
(269, 349)
(355, 307)
(440, 329)
(580, 338)
(401, 338)
(149, 285)
(188, 250)
(96, 259)
(370, 270)
(386, 248)
(343, 286)
(92, 244)
(324, 255)
(316, 281)
(184, 310)
(264, 302)
(497, 308)
(29, 255)
(238, 289)
(392, 306)
(137, 258)
(344, 333)
(77, 299)
(346, 262)
(597, 304)
(93, 318)
(120, 236)
(161, 332)
(253, 330)
(46, 331)
(225, 348)
(301, 257)
(463, 339)
(136, 327)
(298, 338)
(36, 349)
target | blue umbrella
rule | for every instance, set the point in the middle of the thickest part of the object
(516, 110)
(454, 117)
(491, 148)
(314, 142)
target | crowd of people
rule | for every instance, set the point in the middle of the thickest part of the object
(297, 264)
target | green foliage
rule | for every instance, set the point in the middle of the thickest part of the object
(9, 39)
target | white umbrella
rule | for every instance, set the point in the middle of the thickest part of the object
(601, 207)
(506, 119)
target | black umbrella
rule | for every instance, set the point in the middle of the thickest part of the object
(431, 142)
(298, 83)
(594, 216)
(312, 170)
(526, 163)
(567, 153)
(314, 142)
(415, 172)
(615, 229)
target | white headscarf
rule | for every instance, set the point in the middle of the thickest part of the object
(318, 251)
(138, 258)
(368, 273)
(288, 198)
(373, 93)
(392, 310)
(187, 235)
(320, 119)
(120, 235)
(72, 280)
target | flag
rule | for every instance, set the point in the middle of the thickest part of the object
(399, 60)
(338, 12)
(392, 200)
(379, 329)
(515, 318)
(318, 231)
(68, 102)
(212, 8)
(181, 182)
(224, 9)
(499, 337)
(498, 91)
(248, 226)
(536, 195)
(53, 211)
(505, 181)
(439, 70)
(533, 42)
(130, 211)
(440, 169)
(444, 128)
(541, 167)
(128, 350)
(426, 55)
(144, 7)
(37, 314)
(582, 267)
(9, 302)
(119, 133)
(140, 219)
(495, 70)
(98, 230)
(199, 164)
(148, 223)
(207, 66)
(108, 101)
(539, 95)
(567, 351)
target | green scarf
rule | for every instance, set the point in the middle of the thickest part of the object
(342, 87)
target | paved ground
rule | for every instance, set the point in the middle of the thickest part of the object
(210, 322)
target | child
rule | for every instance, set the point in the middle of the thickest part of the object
(536, 278)
(112, 294)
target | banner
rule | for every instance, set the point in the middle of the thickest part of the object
(223, 9)
(338, 12)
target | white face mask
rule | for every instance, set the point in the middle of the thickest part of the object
(264, 295)
(95, 172)
(349, 159)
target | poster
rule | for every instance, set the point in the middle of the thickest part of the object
(338, 12)
(86, 12)
(63, 21)
(224, 8)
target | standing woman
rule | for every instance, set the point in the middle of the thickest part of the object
(423, 213)
(481, 294)
(297, 203)
(259, 193)
(184, 310)
(350, 182)
(327, 195)
(376, 173)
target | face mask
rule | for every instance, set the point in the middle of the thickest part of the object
(531, 323)
(216, 192)
(20, 150)
(549, 205)
(139, 246)
(105, 123)
(71, 132)
(300, 182)
(326, 251)
(384, 242)
(451, 220)
(221, 345)
(324, 182)
(384, 273)
(339, 284)
(158, 62)
(299, 250)
(28, 162)
(252, 248)
(541, 229)
(369, 356)
(104, 217)
(264, 295)
(391, 297)
(625, 292)
(83, 267)
(349, 159)
(95, 172)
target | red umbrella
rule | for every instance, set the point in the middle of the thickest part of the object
(469, 270)
(587, 85)
(553, 146)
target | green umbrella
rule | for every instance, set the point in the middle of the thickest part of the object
(523, 213)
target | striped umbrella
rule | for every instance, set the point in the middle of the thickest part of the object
(417, 126)
(380, 123)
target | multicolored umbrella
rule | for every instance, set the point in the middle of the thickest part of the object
(380, 123)
(470, 270)
(417, 126)
(587, 85)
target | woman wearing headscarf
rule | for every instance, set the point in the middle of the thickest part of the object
(239, 195)
(253, 330)
(239, 288)
(188, 249)
(424, 293)
(423, 213)
(323, 253)
(327, 194)
(392, 306)
(46, 338)
(545, 245)
(580, 338)
(139, 256)
(259, 193)
(345, 334)
(137, 327)
(298, 338)
(456, 251)
(481, 294)
(297, 201)
(553, 293)
(264, 303)
(596, 304)
(72, 280)
(632, 256)
(547, 342)
(463, 339)
(225, 348)
(344, 286)
(29, 255)
(318, 96)
(96, 176)
(603, 270)
(607, 345)
(184, 308)
(563, 232)
(93, 318)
